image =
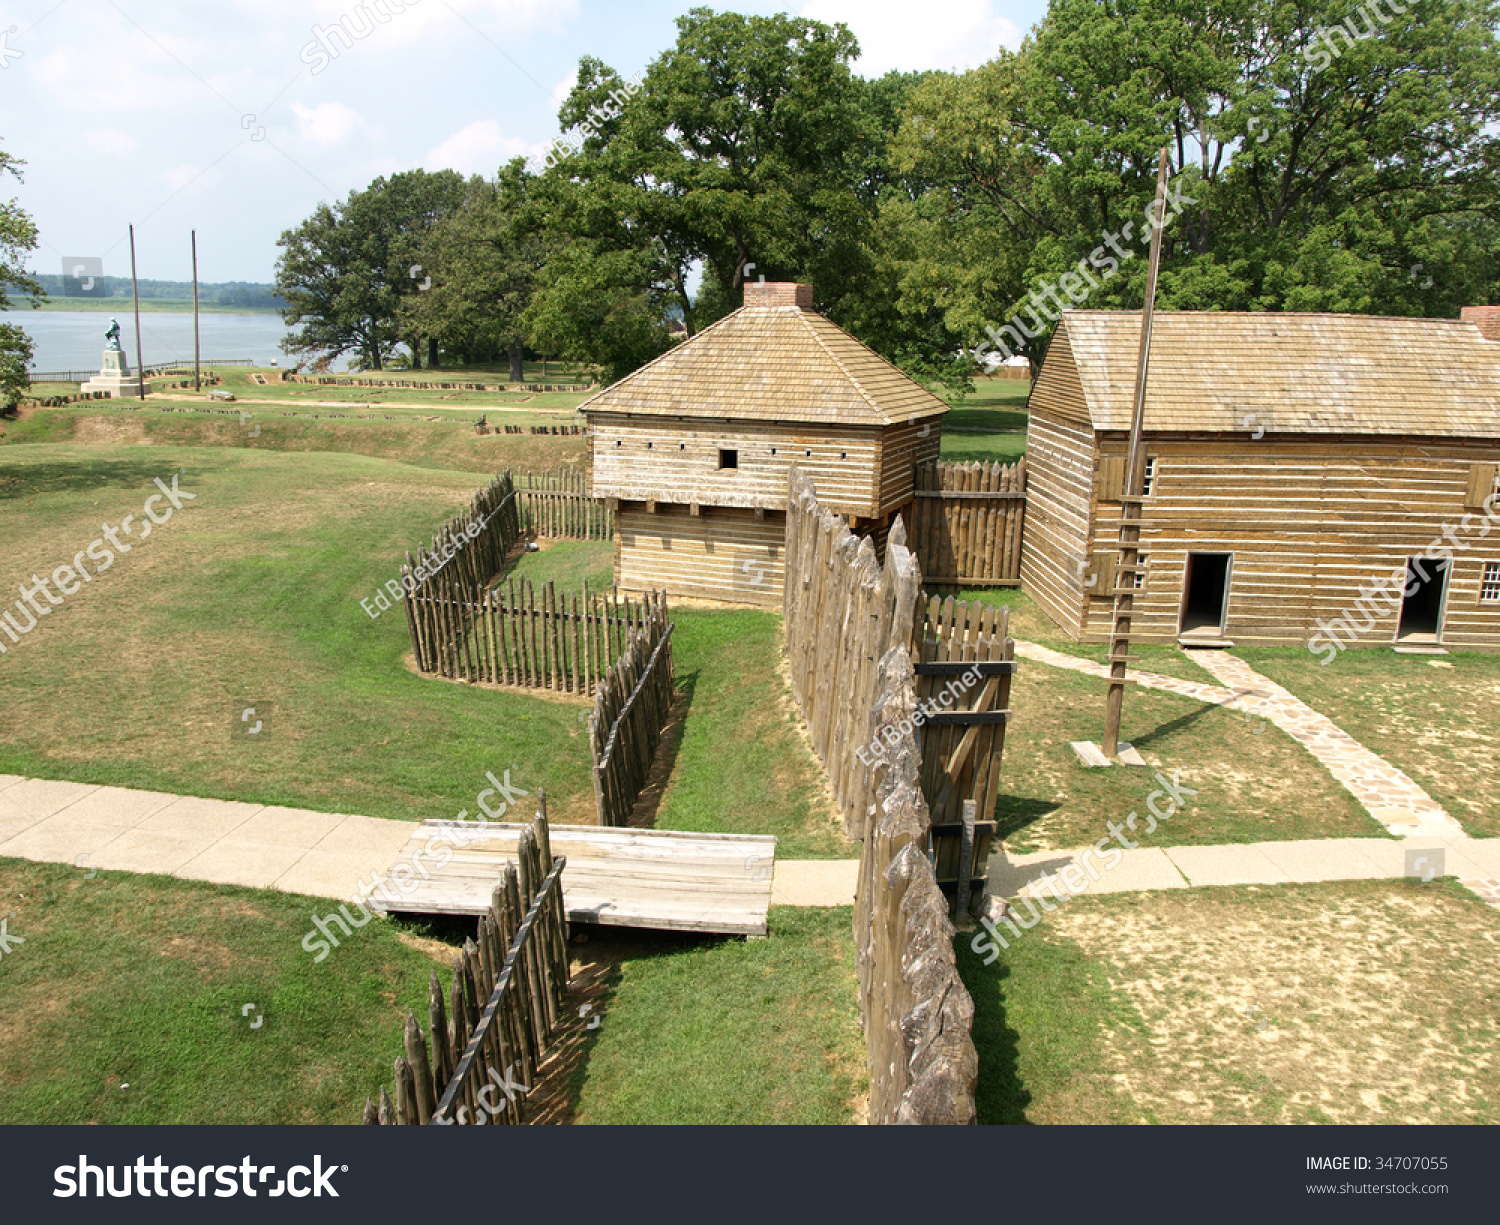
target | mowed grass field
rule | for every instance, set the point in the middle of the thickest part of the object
(1352, 1002)
(251, 596)
(127, 1003)
(1436, 719)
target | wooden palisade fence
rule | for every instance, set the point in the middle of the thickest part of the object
(890, 743)
(966, 522)
(631, 707)
(490, 1037)
(558, 504)
(843, 611)
(465, 556)
(917, 1014)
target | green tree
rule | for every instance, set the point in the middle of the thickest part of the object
(484, 259)
(347, 270)
(1304, 184)
(748, 143)
(18, 238)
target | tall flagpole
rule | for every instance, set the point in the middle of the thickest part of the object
(196, 382)
(1130, 501)
(135, 293)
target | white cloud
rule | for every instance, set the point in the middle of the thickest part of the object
(328, 123)
(948, 34)
(562, 89)
(179, 177)
(112, 141)
(479, 148)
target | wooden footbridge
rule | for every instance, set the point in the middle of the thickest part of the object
(616, 877)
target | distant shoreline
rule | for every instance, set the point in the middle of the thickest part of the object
(123, 306)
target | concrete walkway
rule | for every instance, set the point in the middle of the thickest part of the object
(230, 843)
(329, 855)
(1386, 793)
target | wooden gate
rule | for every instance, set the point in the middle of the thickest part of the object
(963, 653)
(966, 522)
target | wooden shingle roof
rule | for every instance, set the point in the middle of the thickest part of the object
(1291, 373)
(776, 363)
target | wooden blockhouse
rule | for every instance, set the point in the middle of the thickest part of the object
(693, 449)
(1292, 461)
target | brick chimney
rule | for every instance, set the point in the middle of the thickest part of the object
(1485, 318)
(778, 293)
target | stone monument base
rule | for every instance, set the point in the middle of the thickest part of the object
(114, 376)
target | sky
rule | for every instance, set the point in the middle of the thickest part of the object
(237, 117)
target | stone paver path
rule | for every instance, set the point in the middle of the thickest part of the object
(1386, 793)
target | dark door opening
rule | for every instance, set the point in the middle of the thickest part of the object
(1422, 611)
(1205, 593)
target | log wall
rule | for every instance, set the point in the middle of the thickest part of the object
(1309, 522)
(719, 554)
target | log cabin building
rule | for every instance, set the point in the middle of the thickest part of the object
(1292, 460)
(693, 449)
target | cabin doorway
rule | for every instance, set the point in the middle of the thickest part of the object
(1422, 610)
(1205, 594)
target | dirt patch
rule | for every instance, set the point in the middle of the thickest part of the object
(1348, 1003)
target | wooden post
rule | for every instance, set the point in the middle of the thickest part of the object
(1130, 501)
(135, 293)
(965, 863)
(197, 382)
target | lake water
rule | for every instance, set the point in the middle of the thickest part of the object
(74, 340)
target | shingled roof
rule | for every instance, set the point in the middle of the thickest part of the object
(772, 360)
(1292, 373)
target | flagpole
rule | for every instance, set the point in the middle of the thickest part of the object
(196, 381)
(135, 293)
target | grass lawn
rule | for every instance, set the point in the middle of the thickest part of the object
(1254, 783)
(569, 564)
(140, 981)
(1438, 723)
(413, 439)
(251, 595)
(1030, 624)
(716, 1030)
(988, 424)
(124, 1004)
(1352, 1002)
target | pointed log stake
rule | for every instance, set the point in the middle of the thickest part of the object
(387, 1111)
(1130, 504)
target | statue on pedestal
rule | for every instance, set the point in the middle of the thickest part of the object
(114, 371)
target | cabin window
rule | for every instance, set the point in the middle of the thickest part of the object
(1149, 479)
(773, 450)
(619, 443)
(682, 446)
(649, 445)
(728, 458)
(808, 454)
(1140, 579)
(1489, 585)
